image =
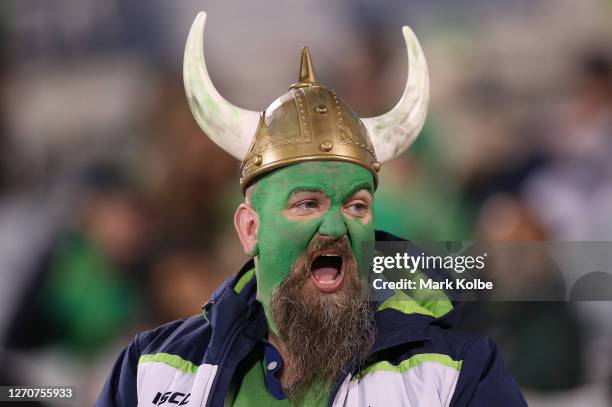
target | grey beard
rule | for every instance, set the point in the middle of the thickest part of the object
(322, 332)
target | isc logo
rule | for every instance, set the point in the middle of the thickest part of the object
(170, 397)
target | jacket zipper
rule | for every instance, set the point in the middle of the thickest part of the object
(232, 337)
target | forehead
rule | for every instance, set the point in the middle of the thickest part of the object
(335, 178)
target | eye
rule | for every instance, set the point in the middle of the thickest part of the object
(357, 208)
(305, 207)
(306, 204)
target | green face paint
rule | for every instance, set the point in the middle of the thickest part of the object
(281, 240)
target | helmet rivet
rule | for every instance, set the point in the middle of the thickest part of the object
(376, 166)
(326, 146)
(257, 160)
(321, 109)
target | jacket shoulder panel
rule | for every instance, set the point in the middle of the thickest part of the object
(186, 338)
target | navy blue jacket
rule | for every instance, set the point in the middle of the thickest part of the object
(418, 359)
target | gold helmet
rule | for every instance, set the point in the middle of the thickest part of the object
(309, 122)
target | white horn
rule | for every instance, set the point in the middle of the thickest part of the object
(230, 127)
(393, 132)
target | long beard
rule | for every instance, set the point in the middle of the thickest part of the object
(322, 332)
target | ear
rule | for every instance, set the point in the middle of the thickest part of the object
(246, 222)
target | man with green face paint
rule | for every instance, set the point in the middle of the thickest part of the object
(304, 225)
(296, 325)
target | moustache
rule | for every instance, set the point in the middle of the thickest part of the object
(326, 258)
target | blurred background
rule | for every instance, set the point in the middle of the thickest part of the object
(115, 209)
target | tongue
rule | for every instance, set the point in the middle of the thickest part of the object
(325, 274)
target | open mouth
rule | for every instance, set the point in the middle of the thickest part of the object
(327, 271)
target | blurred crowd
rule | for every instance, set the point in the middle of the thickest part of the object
(115, 209)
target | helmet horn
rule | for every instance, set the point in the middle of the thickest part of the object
(229, 126)
(393, 132)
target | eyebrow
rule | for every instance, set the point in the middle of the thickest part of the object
(363, 185)
(303, 189)
(354, 189)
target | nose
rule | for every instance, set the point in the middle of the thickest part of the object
(333, 225)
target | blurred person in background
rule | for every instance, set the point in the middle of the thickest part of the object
(536, 309)
(296, 325)
(85, 293)
(572, 191)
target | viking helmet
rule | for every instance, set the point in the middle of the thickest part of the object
(309, 122)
